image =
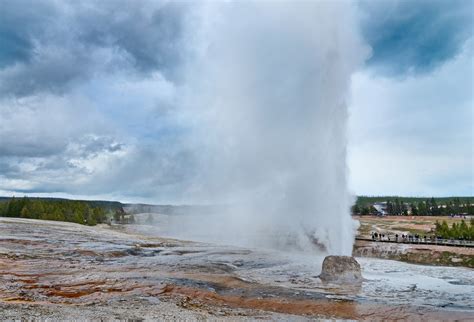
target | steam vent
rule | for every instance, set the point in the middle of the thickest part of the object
(341, 269)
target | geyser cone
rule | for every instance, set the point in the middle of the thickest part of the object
(341, 269)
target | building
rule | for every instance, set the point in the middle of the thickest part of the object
(381, 208)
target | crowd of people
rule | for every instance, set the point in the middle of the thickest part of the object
(405, 238)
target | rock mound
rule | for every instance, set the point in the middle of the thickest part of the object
(341, 269)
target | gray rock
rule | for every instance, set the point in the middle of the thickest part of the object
(341, 269)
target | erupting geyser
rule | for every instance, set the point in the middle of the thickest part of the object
(269, 81)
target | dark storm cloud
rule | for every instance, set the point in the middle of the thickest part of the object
(47, 46)
(150, 36)
(19, 22)
(415, 36)
(52, 70)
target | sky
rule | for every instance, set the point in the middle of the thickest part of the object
(91, 99)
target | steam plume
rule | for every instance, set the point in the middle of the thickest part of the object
(269, 83)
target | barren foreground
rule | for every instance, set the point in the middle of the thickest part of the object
(64, 270)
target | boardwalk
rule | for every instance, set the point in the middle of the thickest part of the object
(439, 242)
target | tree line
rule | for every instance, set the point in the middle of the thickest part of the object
(368, 200)
(81, 212)
(461, 230)
(417, 206)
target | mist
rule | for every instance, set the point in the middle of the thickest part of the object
(265, 96)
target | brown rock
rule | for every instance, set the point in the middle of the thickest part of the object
(341, 269)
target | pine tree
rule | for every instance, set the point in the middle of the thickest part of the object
(463, 230)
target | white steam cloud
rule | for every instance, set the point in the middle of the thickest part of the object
(266, 92)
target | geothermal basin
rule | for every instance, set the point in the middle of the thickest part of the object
(65, 270)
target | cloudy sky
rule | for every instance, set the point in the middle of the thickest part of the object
(89, 92)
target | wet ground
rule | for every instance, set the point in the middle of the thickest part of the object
(67, 270)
